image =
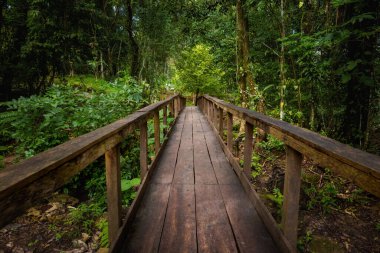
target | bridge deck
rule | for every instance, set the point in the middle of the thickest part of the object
(194, 201)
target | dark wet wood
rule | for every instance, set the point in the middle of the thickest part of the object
(143, 149)
(38, 177)
(112, 158)
(181, 211)
(360, 167)
(292, 187)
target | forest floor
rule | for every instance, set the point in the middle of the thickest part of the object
(335, 215)
(46, 227)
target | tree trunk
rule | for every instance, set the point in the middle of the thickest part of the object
(244, 75)
(133, 44)
(282, 64)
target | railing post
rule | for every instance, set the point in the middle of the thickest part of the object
(215, 118)
(229, 131)
(248, 147)
(291, 195)
(157, 143)
(143, 149)
(171, 108)
(176, 109)
(165, 118)
(220, 125)
(112, 158)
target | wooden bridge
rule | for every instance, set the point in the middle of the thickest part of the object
(194, 197)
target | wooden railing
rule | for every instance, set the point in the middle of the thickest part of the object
(38, 177)
(355, 165)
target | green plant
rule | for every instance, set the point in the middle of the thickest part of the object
(102, 225)
(258, 168)
(84, 216)
(277, 198)
(325, 196)
(304, 241)
(128, 189)
(271, 144)
(378, 226)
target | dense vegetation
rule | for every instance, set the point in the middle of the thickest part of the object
(79, 65)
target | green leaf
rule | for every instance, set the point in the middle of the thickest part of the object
(346, 78)
(128, 184)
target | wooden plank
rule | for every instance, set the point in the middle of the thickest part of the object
(118, 245)
(263, 212)
(204, 172)
(166, 165)
(143, 149)
(343, 159)
(13, 204)
(184, 170)
(250, 232)
(214, 232)
(165, 119)
(156, 122)
(222, 169)
(220, 124)
(113, 181)
(145, 232)
(229, 131)
(248, 148)
(291, 195)
(179, 233)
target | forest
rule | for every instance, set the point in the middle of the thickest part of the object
(70, 67)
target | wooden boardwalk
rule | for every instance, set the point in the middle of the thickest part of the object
(194, 201)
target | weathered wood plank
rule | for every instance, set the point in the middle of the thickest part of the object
(156, 122)
(292, 188)
(250, 232)
(220, 124)
(143, 149)
(214, 232)
(229, 131)
(119, 243)
(222, 169)
(179, 233)
(112, 160)
(358, 166)
(145, 233)
(248, 148)
(184, 171)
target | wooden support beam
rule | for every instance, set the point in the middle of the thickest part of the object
(165, 119)
(291, 195)
(112, 157)
(171, 108)
(143, 149)
(248, 147)
(229, 131)
(157, 143)
(220, 124)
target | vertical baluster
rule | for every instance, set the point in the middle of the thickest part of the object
(113, 182)
(291, 195)
(229, 131)
(176, 109)
(220, 125)
(157, 143)
(165, 119)
(248, 147)
(171, 108)
(143, 149)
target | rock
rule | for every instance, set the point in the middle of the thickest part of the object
(80, 244)
(18, 250)
(85, 237)
(55, 206)
(33, 212)
(103, 250)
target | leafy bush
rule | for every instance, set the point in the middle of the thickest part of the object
(63, 112)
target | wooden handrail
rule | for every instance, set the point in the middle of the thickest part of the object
(37, 177)
(355, 165)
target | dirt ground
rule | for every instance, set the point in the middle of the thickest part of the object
(44, 228)
(350, 224)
